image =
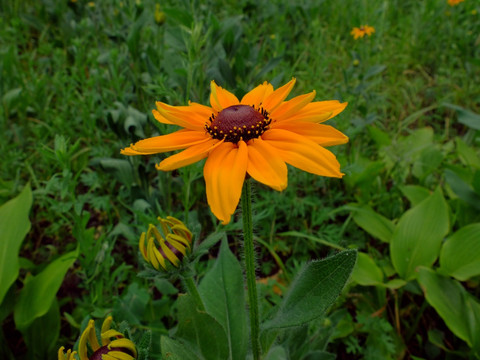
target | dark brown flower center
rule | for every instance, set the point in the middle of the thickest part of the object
(97, 355)
(238, 122)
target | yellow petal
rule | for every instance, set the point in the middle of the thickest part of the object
(152, 259)
(159, 258)
(185, 116)
(291, 107)
(119, 355)
(257, 95)
(180, 242)
(82, 344)
(177, 140)
(92, 338)
(276, 98)
(324, 135)
(141, 245)
(221, 98)
(319, 111)
(125, 344)
(303, 153)
(107, 357)
(108, 321)
(160, 118)
(61, 355)
(189, 156)
(224, 174)
(169, 254)
(265, 166)
(112, 333)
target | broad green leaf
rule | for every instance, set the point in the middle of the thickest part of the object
(459, 309)
(460, 254)
(429, 161)
(375, 224)
(222, 291)
(201, 330)
(366, 272)
(467, 154)
(381, 138)
(43, 344)
(462, 189)
(314, 290)
(37, 295)
(176, 350)
(276, 353)
(415, 193)
(395, 284)
(418, 236)
(466, 117)
(14, 225)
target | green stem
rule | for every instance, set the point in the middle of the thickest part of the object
(250, 268)
(192, 290)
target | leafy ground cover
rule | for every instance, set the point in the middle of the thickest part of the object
(78, 82)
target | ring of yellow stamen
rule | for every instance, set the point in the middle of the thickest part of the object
(238, 122)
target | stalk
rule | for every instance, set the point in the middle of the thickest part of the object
(192, 290)
(250, 268)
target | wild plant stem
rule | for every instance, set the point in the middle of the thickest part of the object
(192, 290)
(250, 268)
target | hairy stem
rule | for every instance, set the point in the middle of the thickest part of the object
(250, 268)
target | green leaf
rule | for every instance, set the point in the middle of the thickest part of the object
(120, 168)
(131, 307)
(467, 154)
(462, 189)
(201, 330)
(14, 225)
(373, 223)
(415, 193)
(222, 291)
(460, 255)
(466, 117)
(381, 138)
(276, 353)
(314, 290)
(366, 272)
(419, 234)
(459, 309)
(43, 344)
(37, 295)
(176, 350)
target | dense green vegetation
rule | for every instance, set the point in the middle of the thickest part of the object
(78, 81)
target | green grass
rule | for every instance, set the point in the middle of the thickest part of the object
(78, 83)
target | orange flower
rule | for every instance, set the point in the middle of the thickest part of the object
(257, 135)
(362, 31)
(454, 2)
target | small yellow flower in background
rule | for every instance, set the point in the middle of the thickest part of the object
(91, 4)
(474, 12)
(175, 243)
(454, 2)
(159, 15)
(257, 135)
(360, 32)
(114, 346)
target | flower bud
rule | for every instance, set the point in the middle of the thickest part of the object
(170, 248)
